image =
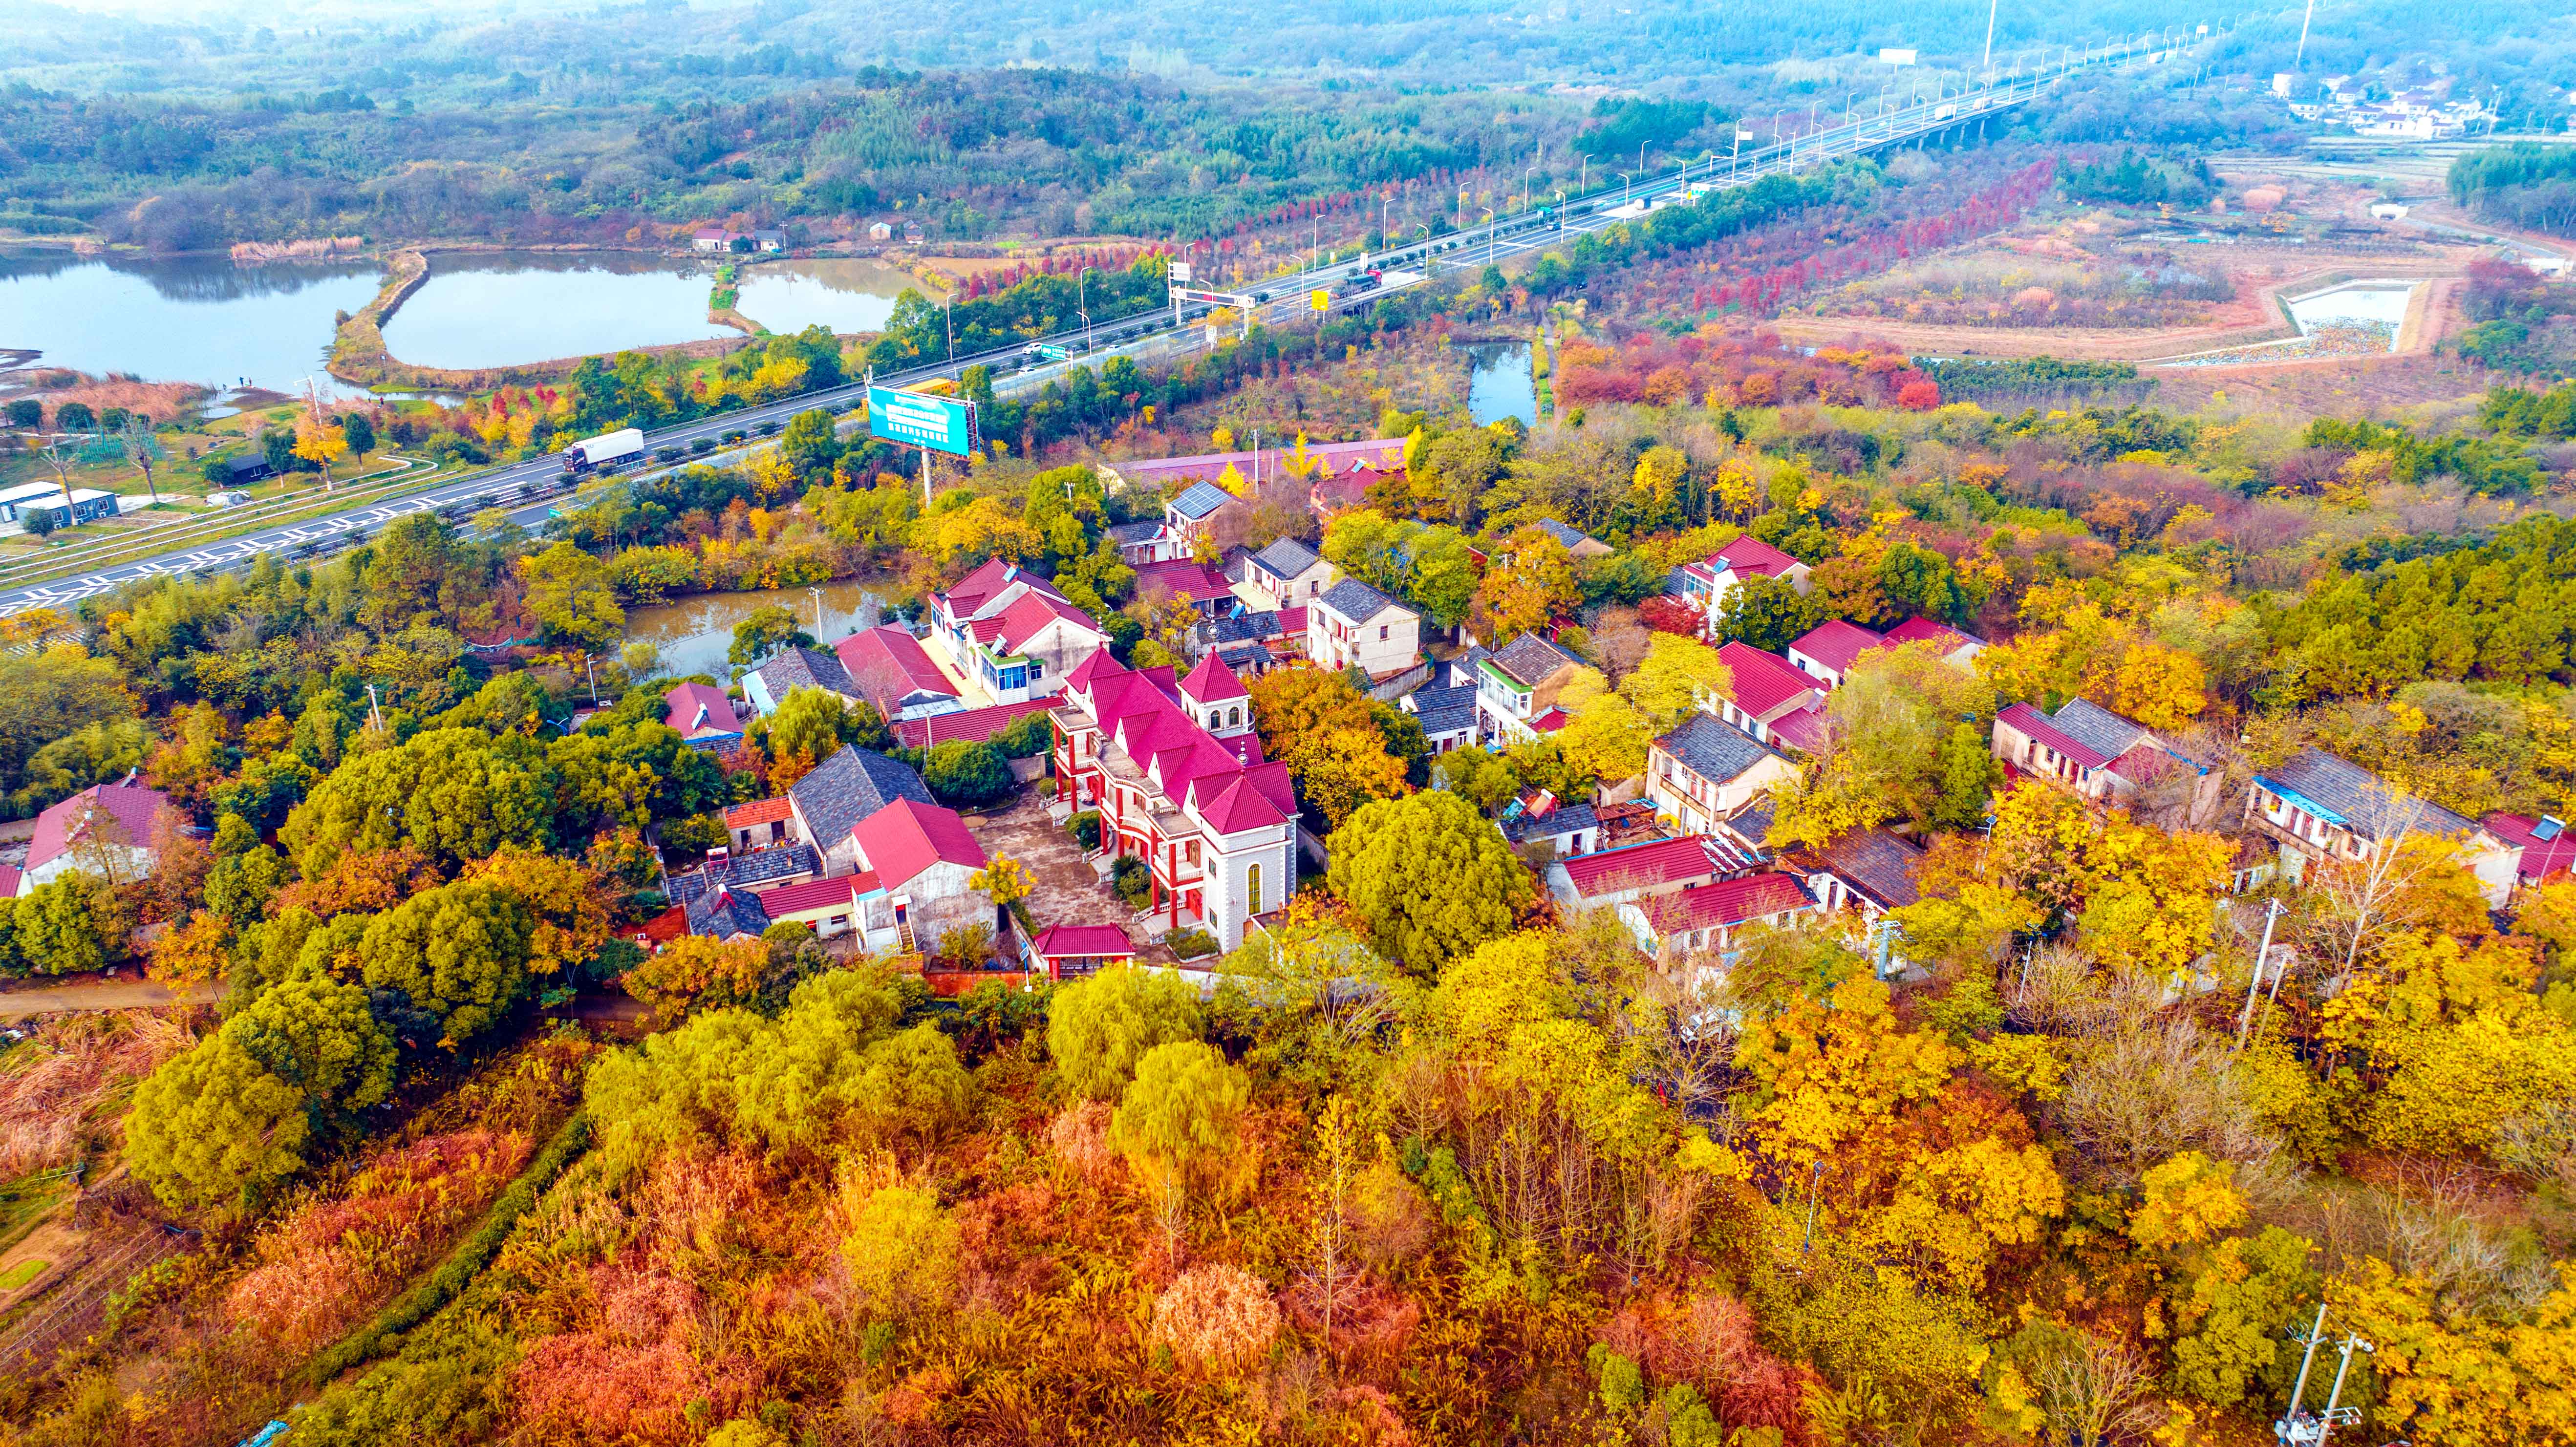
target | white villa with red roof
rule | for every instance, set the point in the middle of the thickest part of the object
(1705, 918)
(106, 829)
(1011, 631)
(1214, 821)
(701, 714)
(1827, 651)
(1705, 584)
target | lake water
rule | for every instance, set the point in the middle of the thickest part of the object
(187, 319)
(1500, 384)
(204, 319)
(695, 633)
(845, 295)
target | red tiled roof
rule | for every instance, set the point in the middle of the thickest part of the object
(885, 664)
(1060, 941)
(904, 838)
(1550, 721)
(1837, 643)
(665, 927)
(1801, 729)
(1749, 554)
(1762, 681)
(1031, 612)
(1292, 622)
(759, 811)
(973, 725)
(2540, 857)
(2030, 721)
(118, 813)
(1920, 630)
(10, 878)
(1652, 865)
(697, 708)
(813, 894)
(1183, 577)
(1726, 902)
(1239, 806)
(968, 593)
(1212, 681)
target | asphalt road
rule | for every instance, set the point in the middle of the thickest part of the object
(528, 489)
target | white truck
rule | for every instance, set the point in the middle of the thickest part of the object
(606, 450)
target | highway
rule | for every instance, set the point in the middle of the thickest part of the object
(527, 489)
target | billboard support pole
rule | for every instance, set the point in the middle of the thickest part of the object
(925, 479)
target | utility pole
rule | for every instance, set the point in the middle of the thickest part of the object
(2336, 1416)
(375, 709)
(1989, 65)
(2262, 958)
(2315, 1333)
(2302, 57)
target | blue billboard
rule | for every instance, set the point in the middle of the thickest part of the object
(915, 419)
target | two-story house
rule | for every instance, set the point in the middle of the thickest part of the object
(1214, 822)
(1704, 585)
(1602, 878)
(1773, 701)
(1706, 769)
(1951, 646)
(913, 885)
(1198, 584)
(841, 792)
(1012, 632)
(1517, 687)
(1352, 624)
(701, 715)
(2090, 749)
(2319, 808)
(889, 668)
(1288, 574)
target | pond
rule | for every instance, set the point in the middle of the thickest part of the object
(2370, 304)
(694, 633)
(1499, 385)
(180, 319)
(505, 308)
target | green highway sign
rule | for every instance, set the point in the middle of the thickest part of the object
(915, 419)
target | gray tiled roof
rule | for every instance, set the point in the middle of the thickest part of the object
(1358, 601)
(726, 912)
(1136, 532)
(1564, 532)
(748, 869)
(1200, 499)
(1715, 749)
(1286, 558)
(1564, 819)
(1244, 628)
(1462, 669)
(850, 786)
(1444, 710)
(1752, 823)
(2097, 728)
(804, 668)
(1529, 659)
(2359, 799)
(1881, 865)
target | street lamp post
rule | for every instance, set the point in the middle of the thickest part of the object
(1489, 236)
(1623, 188)
(1082, 290)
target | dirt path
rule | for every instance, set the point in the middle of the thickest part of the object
(92, 992)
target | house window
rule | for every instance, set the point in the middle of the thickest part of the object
(1037, 668)
(1382, 633)
(1252, 888)
(1233, 718)
(1194, 851)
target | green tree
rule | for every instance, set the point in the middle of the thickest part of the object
(459, 952)
(459, 794)
(1179, 1119)
(215, 1126)
(319, 1036)
(1099, 1028)
(2232, 1322)
(1430, 877)
(966, 775)
(1768, 613)
(46, 694)
(809, 444)
(766, 630)
(813, 723)
(911, 1085)
(1966, 774)
(570, 597)
(61, 929)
